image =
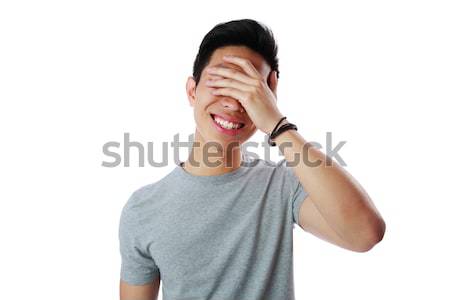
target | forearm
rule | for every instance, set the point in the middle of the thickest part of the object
(340, 199)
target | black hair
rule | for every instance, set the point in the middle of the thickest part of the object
(245, 32)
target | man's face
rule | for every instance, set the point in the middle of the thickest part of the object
(210, 111)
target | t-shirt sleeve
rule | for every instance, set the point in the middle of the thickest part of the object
(297, 193)
(137, 265)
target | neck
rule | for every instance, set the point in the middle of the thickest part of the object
(212, 158)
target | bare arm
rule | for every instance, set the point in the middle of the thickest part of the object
(338, 209)
(147, 291)
(312, 221)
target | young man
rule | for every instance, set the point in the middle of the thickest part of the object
(222, 228)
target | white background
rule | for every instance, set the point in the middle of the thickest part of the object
(75, 75)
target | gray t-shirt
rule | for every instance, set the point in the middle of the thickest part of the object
(218, 237)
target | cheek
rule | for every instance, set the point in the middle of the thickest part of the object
(202, 106)
(206, 90)
(204, 97)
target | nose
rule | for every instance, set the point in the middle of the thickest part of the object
(231, 104)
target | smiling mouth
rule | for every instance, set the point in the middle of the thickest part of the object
(226, 124)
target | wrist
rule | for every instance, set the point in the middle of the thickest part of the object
(273, 124)
(283, 137)
(285, 121)
(282, 126)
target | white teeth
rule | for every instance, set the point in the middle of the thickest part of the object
(226, 124)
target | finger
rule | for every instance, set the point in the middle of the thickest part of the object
(231, 92)
(230, 73)
(245, 64)
(215, 77)
(229, 83)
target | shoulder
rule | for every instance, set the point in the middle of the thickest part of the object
(265, 171)
(279, 171)
(150, 191)
(139, 195)
(133, 210)
(132, 206)
(267, 165)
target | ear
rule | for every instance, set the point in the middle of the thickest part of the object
(190, 90)
(272, 81)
